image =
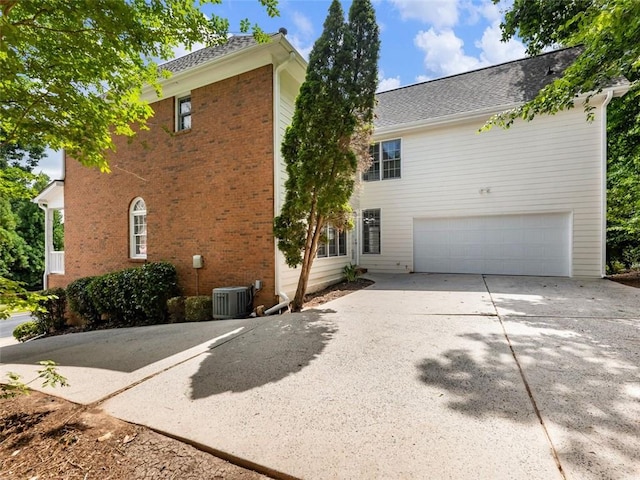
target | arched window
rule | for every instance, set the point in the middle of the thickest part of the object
(138, 229)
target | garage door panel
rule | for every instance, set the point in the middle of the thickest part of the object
(535, 244)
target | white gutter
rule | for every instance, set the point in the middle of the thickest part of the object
(472, 115)
(276, 166)
(603, 142)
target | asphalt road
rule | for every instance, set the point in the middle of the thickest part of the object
(7, 326)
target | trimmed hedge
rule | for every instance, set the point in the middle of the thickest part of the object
(50, 313)
(136, 296)
(80, 301)
(175, 307)
(198, 309)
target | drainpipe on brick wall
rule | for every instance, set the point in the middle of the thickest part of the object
(276, 157)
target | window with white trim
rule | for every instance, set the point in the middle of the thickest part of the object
(371, 231)
(183, 117)
(334, 244)
(385, 161)
(138, 229)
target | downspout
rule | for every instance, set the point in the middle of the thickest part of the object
(603, 260)
(276, 171)
(45, 277)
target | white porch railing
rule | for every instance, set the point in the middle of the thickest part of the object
(56, 262)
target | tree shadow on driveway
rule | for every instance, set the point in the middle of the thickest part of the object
(585, 379)
(274, 350)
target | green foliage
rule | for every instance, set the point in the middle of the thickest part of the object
(48, 374)
(198, 309)
(136, 296)
(351, 272)
(80, 301)
(623, 181)
(176, 309)
(330, 134)
(21, 221)
(73, 72)
(608, 30)
(51, 310)
(13, 296)
(27, 330)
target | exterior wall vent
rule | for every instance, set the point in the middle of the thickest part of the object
(231, 302)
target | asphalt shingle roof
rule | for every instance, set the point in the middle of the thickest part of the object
(504, 84)
(233, 44)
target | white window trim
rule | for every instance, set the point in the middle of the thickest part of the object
(327, 256)
(178, 98)
(381, 161)
(132, 236)
(379, 252)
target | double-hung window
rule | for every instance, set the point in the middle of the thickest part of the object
(385, 161)
(183, 118)
(138, 229)
(333, 244)
(371, 231)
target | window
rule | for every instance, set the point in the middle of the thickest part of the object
(335, 244)
(371, 231)
(138, 229)
(184, 113)
(387, 153)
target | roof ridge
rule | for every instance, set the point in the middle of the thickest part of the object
(517, 60)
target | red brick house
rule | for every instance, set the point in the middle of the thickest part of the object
(208, 178)
(200, 181)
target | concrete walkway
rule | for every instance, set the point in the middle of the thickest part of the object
(418, 376)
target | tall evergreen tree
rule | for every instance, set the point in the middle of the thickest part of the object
(329, 135)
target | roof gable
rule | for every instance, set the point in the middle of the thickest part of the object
(233, 44)
(506, 84)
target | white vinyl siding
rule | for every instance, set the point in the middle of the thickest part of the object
(552, 164)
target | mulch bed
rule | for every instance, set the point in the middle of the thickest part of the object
(335, 291)
(629, 278)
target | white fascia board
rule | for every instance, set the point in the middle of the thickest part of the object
(52, 196)
(217, 69)
(484, 113)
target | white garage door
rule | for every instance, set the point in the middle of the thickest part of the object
(538, 244)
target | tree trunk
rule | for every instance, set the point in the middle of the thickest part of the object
(311, 247)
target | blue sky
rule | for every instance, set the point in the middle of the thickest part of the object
(420, 39)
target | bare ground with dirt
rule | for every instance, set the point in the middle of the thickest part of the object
(45, 437)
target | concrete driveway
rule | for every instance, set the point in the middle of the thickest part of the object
(418, 376)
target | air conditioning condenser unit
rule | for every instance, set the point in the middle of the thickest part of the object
(231, 302)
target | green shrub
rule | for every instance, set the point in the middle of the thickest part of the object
(80, 301)
(51, 310)
(351, 272)
(198, 309)
(175, 309)
(27, 330)
(154, 284)
(135, 296)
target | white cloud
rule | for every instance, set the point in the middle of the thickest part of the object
(495, 51)
(302, 23)
(51, 164)
(423, 78)
(439, 13)
(444, 54)
(385, 84)
(302, 37)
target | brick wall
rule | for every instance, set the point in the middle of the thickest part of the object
(208, 191)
